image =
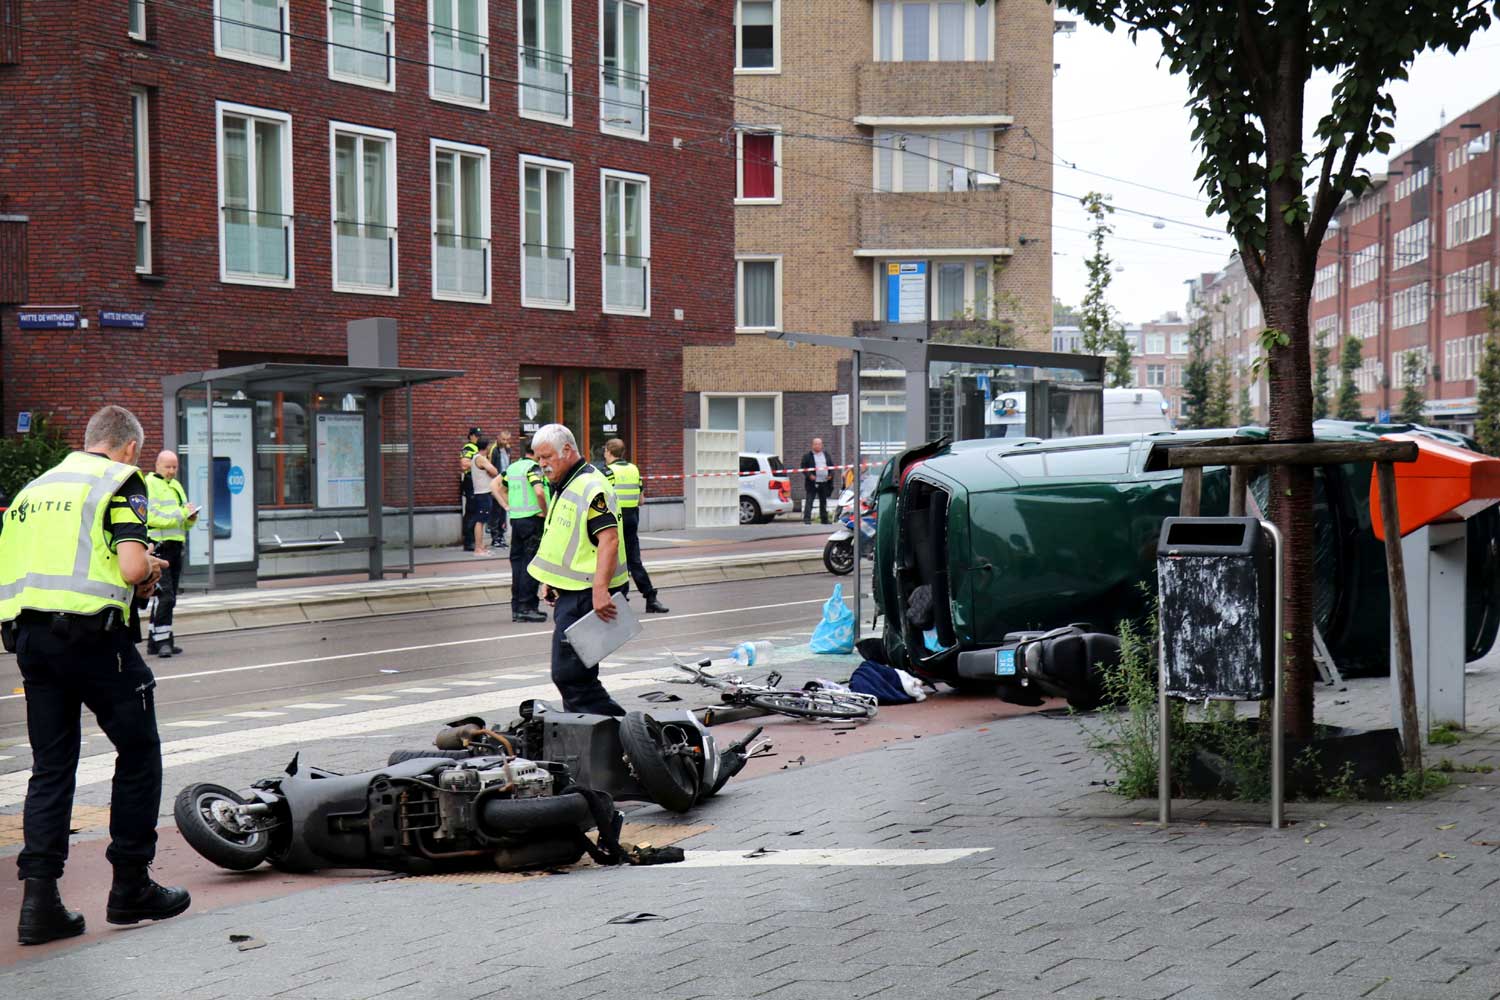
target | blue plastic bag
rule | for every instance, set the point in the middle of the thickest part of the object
(835, 633)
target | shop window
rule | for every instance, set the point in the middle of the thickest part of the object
(595, 405)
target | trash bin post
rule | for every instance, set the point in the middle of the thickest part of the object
(1278, 764)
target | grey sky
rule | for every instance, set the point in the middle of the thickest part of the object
(1116, 113)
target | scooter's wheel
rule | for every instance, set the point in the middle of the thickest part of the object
(838, 556)
(200, 813)
(556, 852)
(671, 781)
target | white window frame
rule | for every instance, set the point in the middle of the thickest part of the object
(485, 62)
(739, 289)
(388, 18)
(284, 63)
(136, 7)
(569, 201)
(981, 155)
(606, 174)
(704, 397)
(434, 147)
(775, 66)
(644, 135)
(140, 113)
(739, 159)
(566, 6)
(971, 11)
(221, 108)
(335, 129)
(1156, 343)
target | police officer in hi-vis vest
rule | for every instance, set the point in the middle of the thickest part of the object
(169, 517)
(580, 563)
(74, 565)
(522, 494)
(625, 477)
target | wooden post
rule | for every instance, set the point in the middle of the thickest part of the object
(1192, 491)
(1239, 482)
(1395, 568)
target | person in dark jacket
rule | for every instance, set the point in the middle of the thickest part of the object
(817, 482)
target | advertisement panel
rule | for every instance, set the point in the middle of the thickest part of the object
(228, 470)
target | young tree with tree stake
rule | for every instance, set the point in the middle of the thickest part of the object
(1247, 66)
(1414, 376)
(1487, 424)
(1348, 408)
(1096, 320)
(1197, 377)
(1320, 381)
(1217, 414)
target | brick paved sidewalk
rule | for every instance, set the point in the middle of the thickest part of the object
(1075, 894)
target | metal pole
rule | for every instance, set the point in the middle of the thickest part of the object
(411, 496)
(857, 512)
(1277, 764)
(1163, 735)
(208, 466)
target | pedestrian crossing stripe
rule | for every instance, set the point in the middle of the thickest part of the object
(468, 684)
(195, 723)
(256, 714)
(420, 690)
(316, 706)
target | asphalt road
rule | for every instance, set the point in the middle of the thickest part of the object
(264, 670)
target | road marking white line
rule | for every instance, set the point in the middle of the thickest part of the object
(255, 715)
(369, 697)
(318, 706)
(468, 684)
(12, 758)
(421, 690)
(195, 723)
(833, 856)
(97, 768)
(517, 677)
(653, 622)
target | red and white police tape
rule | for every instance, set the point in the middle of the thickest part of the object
(777, 472)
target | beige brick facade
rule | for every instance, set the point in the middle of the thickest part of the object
(830, 209)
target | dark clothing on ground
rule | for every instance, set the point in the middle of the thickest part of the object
(630, 519)
(103, 671)
(525, 539)
(579, 685)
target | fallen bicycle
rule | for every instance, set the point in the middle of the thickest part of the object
(819, 704)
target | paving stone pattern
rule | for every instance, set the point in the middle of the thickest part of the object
(1077, 895)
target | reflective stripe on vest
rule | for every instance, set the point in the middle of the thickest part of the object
(62, 560)
(567, 557)
(522, 495)
(626, 478)
(166, 510)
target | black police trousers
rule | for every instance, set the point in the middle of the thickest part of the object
(525, 539)
(579, 685)
(631, 516)
(103, 671)
(165, 601)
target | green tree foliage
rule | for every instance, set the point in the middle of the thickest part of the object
(1217, 414)
(1121, 372)
(1063, 314)
(1414, 377)
(1348, 407)
(1487, 425)
(23, 457)
(1320, 381)
(1197, 378)
(1247, 66)
(1102, 334)
(1246, 413)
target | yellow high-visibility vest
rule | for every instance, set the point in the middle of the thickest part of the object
(167, 515)
(626, 479)
(567, 556)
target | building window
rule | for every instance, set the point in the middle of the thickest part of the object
(255, 194)
(1364, 265)
(933, 30)
(1409, 246)
(758, 293)
(1414, 182)
(546, 59)
(253, 31)
(1470, 219)
(361, 42)
(1326, 332)
(757, 36)
(1179, 343)
(623, 69)
(597, 404)
(755, 417)
(627, 242)
(1156, 375)
(1364, 320)
(546, 233)
(459, 52)
(140, 135)
(1325, 282)
(960, 289)
(137, 29)
(759, 177)
(1409, 306)
(962, 160)
(1463, 291)
(1156, 343)
(364, 209)
(460, 222)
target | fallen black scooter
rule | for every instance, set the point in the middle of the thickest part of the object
(667, 757)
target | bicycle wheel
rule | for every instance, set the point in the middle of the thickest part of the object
(814, 705)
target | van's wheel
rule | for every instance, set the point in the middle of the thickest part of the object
(749, 511)
(671, 780)
(205, 816)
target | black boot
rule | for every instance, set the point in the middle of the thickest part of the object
(43, 916)
(655, 607)
(135, 897)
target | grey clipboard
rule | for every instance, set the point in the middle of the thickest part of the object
(593, 638)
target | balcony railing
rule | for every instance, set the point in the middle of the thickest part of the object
(253, 28)
(257, 244)
(622, 100)
(364, 255)
(459, 65)
(461, 265)
(549, 273)
(546, 82)
(361, 48)
(626, 281)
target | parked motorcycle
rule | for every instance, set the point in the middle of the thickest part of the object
(838, 551)
(666, 757)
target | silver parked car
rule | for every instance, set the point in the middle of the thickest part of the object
(765, 489)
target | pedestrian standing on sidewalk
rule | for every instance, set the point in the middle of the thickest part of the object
(499, 457)
(580, 564)
(816, 482)
(481, 475)
(522, 493)
(625, 477)
(169, 518)
(466, 488)
(74, 567)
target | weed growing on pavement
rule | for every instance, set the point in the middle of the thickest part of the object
(1444, 734)
(1127, 739)
(1412, 785)
(1343, 787)
(1447, 766)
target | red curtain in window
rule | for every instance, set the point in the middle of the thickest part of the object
(759, 166)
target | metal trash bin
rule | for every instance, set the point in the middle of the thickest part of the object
(1218, 604)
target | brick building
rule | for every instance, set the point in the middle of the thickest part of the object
(873, 136)
(1161, 356)
(239, 179)
(1233, 311)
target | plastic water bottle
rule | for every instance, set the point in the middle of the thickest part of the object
(749, 654)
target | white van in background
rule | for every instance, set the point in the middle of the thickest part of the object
(1135, 411)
